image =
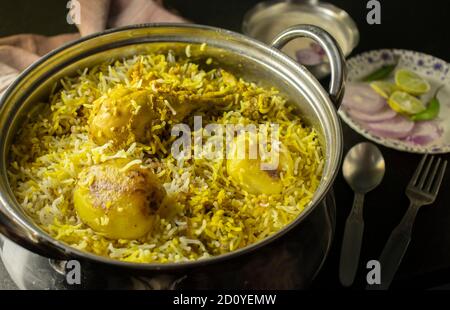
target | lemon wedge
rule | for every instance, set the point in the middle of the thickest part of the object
(404, 103)
(384, 89)
(411, 82)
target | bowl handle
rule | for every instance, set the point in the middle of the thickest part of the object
(332, 49)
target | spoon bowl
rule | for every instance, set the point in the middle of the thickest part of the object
(363, 167)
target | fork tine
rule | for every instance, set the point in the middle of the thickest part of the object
(432, 176)
(423, 178)
(440, 176)
(418, 170)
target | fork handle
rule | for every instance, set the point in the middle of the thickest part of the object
(395, 248)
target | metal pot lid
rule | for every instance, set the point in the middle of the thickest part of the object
(267, 19)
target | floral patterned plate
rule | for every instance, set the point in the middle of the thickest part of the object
(435, 71)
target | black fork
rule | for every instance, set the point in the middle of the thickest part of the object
(421, 190)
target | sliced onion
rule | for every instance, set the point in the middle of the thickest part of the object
(308, 57)
(363, 98)
(397, 127)
(382, 115)
(424, 133)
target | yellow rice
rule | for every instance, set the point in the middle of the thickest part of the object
(211, 215)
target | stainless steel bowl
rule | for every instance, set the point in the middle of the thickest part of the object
(244, 56)
(266, 19)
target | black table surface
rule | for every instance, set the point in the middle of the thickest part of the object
(415, 25)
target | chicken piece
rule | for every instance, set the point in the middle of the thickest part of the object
(124, 116)
(248, 172)
(128, 115)
(118, 199)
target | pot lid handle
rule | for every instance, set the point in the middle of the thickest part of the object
(332, 49)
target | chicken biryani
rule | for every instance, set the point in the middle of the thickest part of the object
(94, 167)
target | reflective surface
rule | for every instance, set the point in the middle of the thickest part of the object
(331, 48)
(268, 18)
(363, 167)
(291, 262)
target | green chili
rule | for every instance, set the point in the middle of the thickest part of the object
(432, 110)
(381, 73)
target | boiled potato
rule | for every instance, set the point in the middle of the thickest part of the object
(248, 173)
(118, 199)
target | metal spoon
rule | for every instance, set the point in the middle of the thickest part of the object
(363, 169)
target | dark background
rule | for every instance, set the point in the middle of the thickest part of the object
(411, 24)
(416, 25)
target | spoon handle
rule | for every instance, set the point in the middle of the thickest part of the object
(351, 244)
